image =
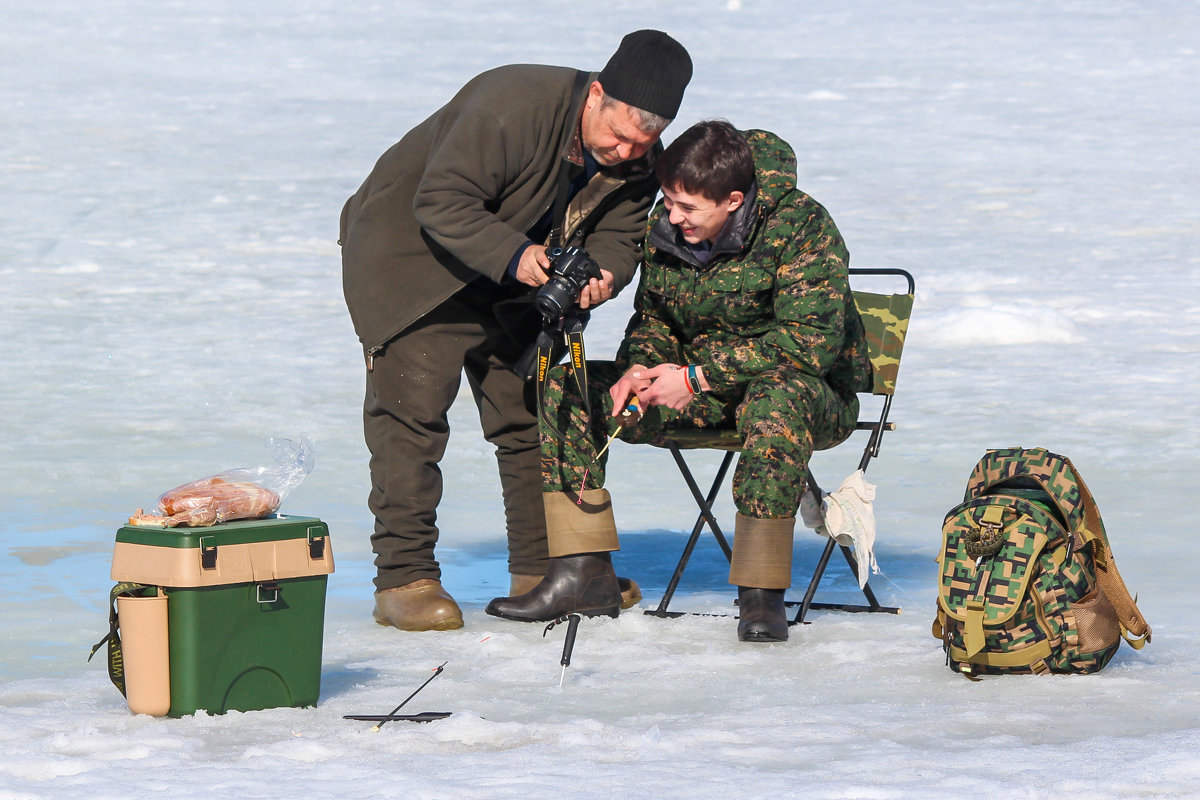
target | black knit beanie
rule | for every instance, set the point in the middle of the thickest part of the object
(649, 71)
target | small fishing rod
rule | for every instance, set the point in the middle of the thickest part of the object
(426, 716)
(631, 415)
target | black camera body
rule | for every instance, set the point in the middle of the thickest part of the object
(571, 268)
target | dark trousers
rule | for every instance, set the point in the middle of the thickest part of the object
(410, 389)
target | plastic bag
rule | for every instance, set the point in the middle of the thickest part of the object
(242, 493)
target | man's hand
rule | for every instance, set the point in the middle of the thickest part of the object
(662, 385)
(628, 386)
(596, 291)
(534, 267)
(668, 386)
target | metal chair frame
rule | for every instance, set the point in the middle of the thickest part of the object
(731, 444)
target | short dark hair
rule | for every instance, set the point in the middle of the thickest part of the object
(647, 121)
(710, 158)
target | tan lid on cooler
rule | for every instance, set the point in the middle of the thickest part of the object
(215, 562)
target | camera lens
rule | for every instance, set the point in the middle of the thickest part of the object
(554, 298)
(572, 268)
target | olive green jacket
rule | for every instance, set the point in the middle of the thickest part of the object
(451, 201)
(775, 293)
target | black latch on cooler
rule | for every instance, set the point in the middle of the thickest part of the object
(316, 543)
(268, 593)
(208, 553)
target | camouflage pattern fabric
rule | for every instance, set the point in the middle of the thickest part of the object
(1037, 464)
(776, 296)
(885, 320)
(770, 319)
(783, 416)
(1037, 605)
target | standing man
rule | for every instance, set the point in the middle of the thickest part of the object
(743, 319)
(443, 248)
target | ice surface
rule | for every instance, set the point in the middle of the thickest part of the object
(170, 178)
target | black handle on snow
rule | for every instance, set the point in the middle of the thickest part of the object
(572, 621)
(424, 716)
(569, 643)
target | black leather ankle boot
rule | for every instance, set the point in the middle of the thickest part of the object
(761, 616)
(581, 584)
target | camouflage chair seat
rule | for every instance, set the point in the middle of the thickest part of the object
(885, 317)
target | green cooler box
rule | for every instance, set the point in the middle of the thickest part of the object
(238, 619)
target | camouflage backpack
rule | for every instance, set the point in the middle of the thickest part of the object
(1027, 581)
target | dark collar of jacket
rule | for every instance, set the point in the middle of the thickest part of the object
(732, 239)
(573, 152)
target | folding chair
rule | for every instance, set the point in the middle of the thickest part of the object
(885, 318)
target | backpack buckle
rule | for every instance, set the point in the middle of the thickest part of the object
(987, 537)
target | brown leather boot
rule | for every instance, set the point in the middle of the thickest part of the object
(631, 593)
(578, 584)
(419, 606)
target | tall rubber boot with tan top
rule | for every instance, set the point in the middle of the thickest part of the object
(581, 533)
(520, 583)
(762, 570)
(419, 606)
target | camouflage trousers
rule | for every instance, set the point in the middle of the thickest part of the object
(782, 417)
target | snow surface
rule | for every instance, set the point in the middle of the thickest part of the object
(170, 181)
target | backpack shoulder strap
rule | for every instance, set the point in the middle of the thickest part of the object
(1134, 628)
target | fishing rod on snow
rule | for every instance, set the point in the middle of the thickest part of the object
(424, 716)
(631, 415)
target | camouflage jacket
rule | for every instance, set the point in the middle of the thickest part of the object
(774, 295)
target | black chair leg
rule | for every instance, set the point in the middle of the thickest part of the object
(807, 603)
(705, 517)
(811, 591)
(705, 501)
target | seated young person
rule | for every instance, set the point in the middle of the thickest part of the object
(743, 319)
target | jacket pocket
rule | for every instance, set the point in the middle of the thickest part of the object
(661, 282)
(743, 296)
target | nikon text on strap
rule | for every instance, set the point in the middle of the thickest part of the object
(571, 328)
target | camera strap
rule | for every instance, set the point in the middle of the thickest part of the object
(571, 328)
(566, 179)
(559, 212)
